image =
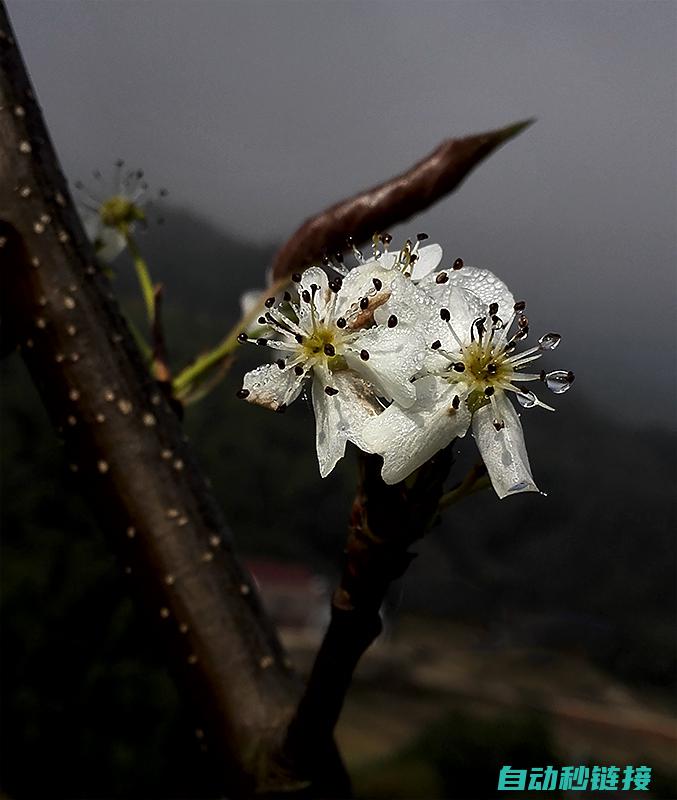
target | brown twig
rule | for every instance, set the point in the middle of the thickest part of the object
(385, 522)
(399, 198)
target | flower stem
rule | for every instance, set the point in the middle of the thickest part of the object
(142, 273)
(226, 347)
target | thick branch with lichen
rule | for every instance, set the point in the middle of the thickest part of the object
(126, 446)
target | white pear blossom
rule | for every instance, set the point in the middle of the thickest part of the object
(111, 211)
(330, 338)
(413, 260)
(471, 366)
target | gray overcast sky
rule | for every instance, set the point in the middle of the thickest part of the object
(256, 114)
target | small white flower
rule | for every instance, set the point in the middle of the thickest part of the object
(331, 338)
(111, 212)
(471, 366)
(412, 260)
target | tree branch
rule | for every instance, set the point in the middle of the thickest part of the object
(385, 522)
(125, 443)
(399, 198)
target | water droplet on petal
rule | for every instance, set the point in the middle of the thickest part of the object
(527, 399)
(559, 381)
(549, 341)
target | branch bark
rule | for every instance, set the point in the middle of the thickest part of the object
(381, 207)
(125, 443)
(385, 522)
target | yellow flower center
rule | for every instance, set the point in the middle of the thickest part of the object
(118, 211)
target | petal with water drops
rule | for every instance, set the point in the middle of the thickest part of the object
(272, 387)
(407, 438)
(503, 450)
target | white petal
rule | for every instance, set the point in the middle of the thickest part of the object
(463, 308)
(338, 417)
(272, 387)
(503, 451)
(395, 356)
(358, 283)
(411, 305)
(109, 243)
(318, 277)
(408, 438)
(250, 301)
(428, 259)
(485, 285)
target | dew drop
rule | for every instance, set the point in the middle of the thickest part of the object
(526, 399)
(559, 381)
(550, 341)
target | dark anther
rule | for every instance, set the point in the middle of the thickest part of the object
(349, 241)
(262, 342)
(377, 284)
(325, 260)
(392, 321)
(570, 377)
(242, 393)
(436, 344)
(456, 402)
(286, 297)
(341, 323)
(281, 408)
(386, 238)
(305, 296)
(296, 277)
(444, 314)
(492, 369)
(458, 264)
(335, 284)
(364, 355)
(330, 391)
(520, 305)
(499, 425)
(270, 302)
(442, 277)
(280, 363)
(459, 366)
(413, 258)
(298, 369)
(298, 338)
(242, 337)
(523, 322)
(262, 320)
(493, 309)
(364, 303)
(422, 237)
(329, 350)
(541, 375)
(489, 391)
(338, 257)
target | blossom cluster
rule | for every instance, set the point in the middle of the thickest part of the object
(401, 357)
